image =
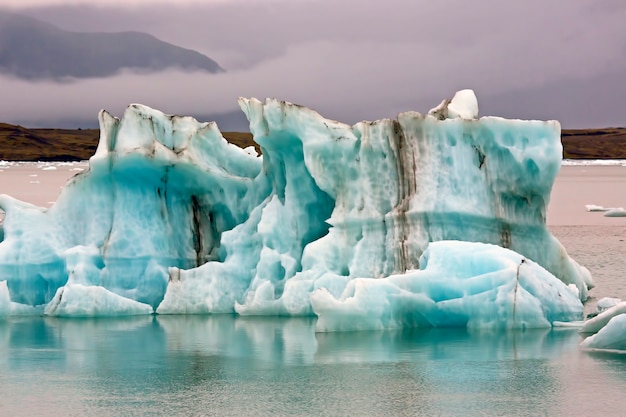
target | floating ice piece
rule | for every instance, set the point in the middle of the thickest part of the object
(171, 215)
(598, 322)
(460, 284)
(611, 336)
(608, 211)
(593, 207)
(594, 162)
(49, 168)
(607, 302)
(608, 328)
(615, 212)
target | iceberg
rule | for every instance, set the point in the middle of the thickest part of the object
(611, 337)
(608, 211)
(339, 221)
(615, 212)
(594, 207)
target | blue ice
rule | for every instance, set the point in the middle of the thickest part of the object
(171, 218)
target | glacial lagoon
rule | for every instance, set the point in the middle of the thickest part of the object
(225, 365)
(222, 365)
(498, 179)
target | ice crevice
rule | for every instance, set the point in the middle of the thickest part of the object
(419, 221)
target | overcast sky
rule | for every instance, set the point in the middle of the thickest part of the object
(351, 59)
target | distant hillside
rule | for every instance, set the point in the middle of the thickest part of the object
(32, 49)
(609, 143)
(21, 144)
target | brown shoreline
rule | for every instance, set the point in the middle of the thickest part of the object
(18, 143)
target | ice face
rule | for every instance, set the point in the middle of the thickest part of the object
(159, 192)
(459, 284)
(171, 216)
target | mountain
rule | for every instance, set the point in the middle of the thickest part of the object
(32, 49)
(18, 143)
(230, 121)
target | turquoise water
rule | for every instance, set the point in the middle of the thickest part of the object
(223, 365)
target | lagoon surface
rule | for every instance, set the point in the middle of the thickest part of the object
(222, 365)
(225, 365)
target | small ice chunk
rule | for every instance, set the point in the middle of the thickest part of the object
(610, 337)
(49, 168)
(608, 211)
(593, 207)
(464, 104)
(606, 303)
(615, 212)
(598, 322)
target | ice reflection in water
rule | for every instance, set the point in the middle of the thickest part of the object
(222, 365)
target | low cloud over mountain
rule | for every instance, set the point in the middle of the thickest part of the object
(32, 49)
(350, 60)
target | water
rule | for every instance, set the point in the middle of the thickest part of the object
(602, 249)
(228, 366)
(233, 366)
(222, 365)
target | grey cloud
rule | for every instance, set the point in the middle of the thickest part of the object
(355, 60)
(265, 29)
